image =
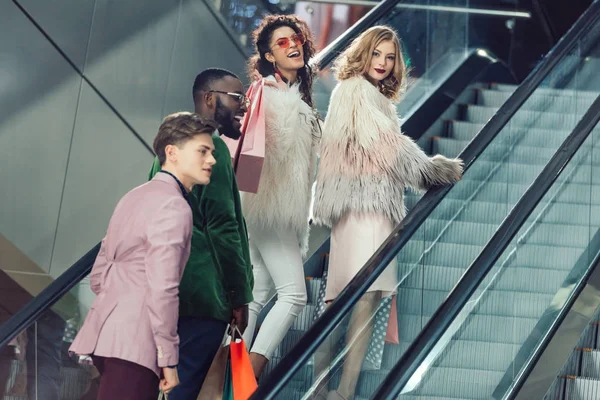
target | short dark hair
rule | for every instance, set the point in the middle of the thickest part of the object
(206, 78)
(178, 128)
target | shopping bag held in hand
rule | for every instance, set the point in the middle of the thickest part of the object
(391, 336)
(215, 384)
(248, 153)
(228, 384)
(244, 382)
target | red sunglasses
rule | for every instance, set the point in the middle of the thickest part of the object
(285, 42)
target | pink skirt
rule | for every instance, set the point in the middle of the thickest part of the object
(354, 239)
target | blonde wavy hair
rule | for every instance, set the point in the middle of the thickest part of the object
(356, 60)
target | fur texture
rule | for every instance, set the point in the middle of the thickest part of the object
(284, 192)
(366, 162)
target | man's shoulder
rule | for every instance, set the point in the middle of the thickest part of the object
(155, 192)
(221, 148)
(223, 168)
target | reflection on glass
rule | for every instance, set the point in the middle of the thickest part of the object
(36, 364)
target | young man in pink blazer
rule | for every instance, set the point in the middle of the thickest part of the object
(131, 329)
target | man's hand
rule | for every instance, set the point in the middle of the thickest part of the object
(170, 379)
(240, 318)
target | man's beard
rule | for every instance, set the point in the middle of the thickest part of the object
(225, 118)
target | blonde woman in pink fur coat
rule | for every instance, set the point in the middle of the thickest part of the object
(366, 164)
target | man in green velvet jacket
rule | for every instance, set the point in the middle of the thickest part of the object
(216, 287)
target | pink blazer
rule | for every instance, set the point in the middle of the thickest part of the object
(136, 278)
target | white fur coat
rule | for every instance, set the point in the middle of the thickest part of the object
(284, 193)
(366, 162)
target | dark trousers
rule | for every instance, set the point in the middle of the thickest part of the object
(200, 339)
(125, 380)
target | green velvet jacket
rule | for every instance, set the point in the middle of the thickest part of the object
(218, 276)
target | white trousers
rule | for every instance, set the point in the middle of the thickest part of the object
(278, 270)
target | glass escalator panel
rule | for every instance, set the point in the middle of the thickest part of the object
(36, 363)
(437, 255)
(482, 352)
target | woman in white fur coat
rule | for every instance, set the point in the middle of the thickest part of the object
(366, 164)
(277, 215)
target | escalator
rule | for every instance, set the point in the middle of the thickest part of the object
(505, 326)
(459, 94)
(449, 228)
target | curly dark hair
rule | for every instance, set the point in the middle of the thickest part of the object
(262, 40)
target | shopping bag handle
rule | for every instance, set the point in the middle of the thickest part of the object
(234, 332)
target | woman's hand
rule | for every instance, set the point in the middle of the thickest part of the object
(280, 84)
(256, 76)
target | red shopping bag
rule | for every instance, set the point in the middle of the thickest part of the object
(248, 152)
(391, 335)
(244, 382)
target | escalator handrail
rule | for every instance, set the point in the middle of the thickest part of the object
(441, 320)
(401, 235)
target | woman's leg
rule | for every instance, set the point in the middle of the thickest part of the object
(263, 291)
(280, 253)
(358, 338)
(324, 362)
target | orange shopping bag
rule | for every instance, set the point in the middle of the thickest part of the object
(244, 382)
(248, 153)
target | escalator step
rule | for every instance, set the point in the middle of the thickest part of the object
(460, 382)
(514, 278)
(536, 102)
(582, 389)
(289, 341)
(520, 154)
(452, 256)
(313, 286)
(478, 233)
(548, 91)
(306, 318)
(465, 131)
(514, 172)
(482, 356)
(527, 118)
(503, 193)
(425, 301)
(480, 211)
(477, 327)
(590, 364)
(556, 390)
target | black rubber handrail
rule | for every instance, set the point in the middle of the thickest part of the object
(402, 234)
(441, 320)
